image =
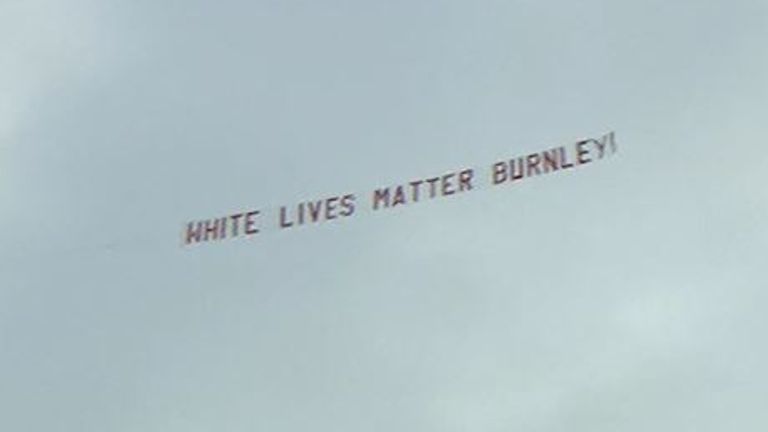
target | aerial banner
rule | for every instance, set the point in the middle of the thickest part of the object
(340, 206)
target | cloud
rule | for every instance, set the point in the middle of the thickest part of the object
(45, 45)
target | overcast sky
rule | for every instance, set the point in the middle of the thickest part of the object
(627, 295)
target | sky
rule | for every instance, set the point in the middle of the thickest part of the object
(623, 295)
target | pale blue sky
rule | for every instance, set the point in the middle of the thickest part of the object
(625, 296)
